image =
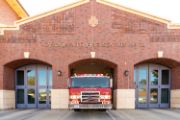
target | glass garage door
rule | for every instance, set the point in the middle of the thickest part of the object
(33, 86)
(152, 86)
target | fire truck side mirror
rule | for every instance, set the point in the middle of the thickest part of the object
(68, 83)
(111, 83)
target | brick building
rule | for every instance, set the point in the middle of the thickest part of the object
(11, 11)
(40, 53)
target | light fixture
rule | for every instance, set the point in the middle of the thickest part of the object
(26, 55)
(126, 73)
(93, 54)
(59, 73)
(160, 54)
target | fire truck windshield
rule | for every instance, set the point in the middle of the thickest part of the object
(90, 82)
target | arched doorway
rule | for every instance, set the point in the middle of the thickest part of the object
(157, 83)
(94, 67)
(33, 86)
(152, 86)
(31, 80)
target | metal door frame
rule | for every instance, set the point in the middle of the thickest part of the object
(20, 87)
(153, 105)
(165, 86)
(141, 105)
(42, 87)
(25, 87)
(148, 86)
(30, 67)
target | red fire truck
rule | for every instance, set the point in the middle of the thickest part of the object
(90, 91)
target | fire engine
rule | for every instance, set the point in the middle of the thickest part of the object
(90, 91)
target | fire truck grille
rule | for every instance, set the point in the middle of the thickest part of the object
(90, 97)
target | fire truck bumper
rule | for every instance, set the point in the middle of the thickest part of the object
(90, 106)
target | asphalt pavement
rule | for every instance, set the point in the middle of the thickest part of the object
(150, 114)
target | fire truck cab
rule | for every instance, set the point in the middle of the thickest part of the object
(90, 91)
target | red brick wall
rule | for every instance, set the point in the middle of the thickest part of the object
(9, 78)
(7, 15)
(1, 77)
(176, 78)
(63, 38)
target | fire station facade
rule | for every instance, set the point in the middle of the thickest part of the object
(40, 53)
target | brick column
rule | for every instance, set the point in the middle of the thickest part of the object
(7, 92)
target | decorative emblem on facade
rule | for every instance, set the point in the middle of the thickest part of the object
(93, 21)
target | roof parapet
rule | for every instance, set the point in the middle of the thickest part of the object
(18, 8)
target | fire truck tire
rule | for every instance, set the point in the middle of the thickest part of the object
(102, 110)
(76, 110)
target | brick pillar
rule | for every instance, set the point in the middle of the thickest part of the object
(7, 92)
(175, 92)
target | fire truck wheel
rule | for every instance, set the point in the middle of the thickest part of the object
(102, 110)
(76, 110)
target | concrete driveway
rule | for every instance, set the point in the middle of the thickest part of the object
(152, 114)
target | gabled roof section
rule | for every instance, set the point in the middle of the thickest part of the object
(105, 2)
(29, 19)
(81, 2)
(17, 8)
(152, 17)
(133, 11)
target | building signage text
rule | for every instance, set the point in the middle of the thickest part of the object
(89, 44)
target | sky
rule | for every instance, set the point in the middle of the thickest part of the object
(167, 9)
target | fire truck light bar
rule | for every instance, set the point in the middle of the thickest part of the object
(89, 75)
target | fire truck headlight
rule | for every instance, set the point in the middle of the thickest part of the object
(74, 97)
(105, 97)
